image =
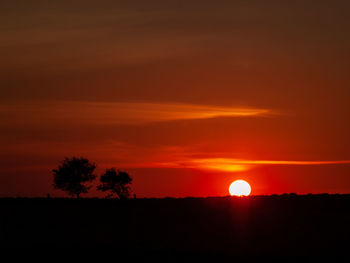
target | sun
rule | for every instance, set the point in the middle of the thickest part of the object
(240, 188)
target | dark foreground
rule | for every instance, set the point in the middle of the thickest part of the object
(285, 225)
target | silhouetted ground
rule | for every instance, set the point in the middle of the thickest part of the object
(286, 225)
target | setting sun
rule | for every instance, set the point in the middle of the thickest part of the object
(240, 188)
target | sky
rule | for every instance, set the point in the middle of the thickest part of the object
(186, 96)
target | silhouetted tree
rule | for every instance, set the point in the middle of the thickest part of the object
(116, 182)
(73, 174)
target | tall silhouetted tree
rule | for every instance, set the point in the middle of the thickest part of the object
(116, 182)
(73, 174)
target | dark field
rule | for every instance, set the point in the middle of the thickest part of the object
(286, 225)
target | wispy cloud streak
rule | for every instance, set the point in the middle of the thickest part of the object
(235, 165)
(120, 112)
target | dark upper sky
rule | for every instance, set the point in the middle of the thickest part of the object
(186, 95)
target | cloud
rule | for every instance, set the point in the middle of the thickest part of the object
(234, 165)
(118, 112)
(237, 165)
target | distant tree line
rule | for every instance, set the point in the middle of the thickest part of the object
(74, 176)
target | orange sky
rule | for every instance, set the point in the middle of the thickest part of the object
(185, 95)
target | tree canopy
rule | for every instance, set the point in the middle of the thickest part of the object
(73, 175)
(115, 182)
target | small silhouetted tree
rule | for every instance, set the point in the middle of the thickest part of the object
(73, 174)
(115, 182)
